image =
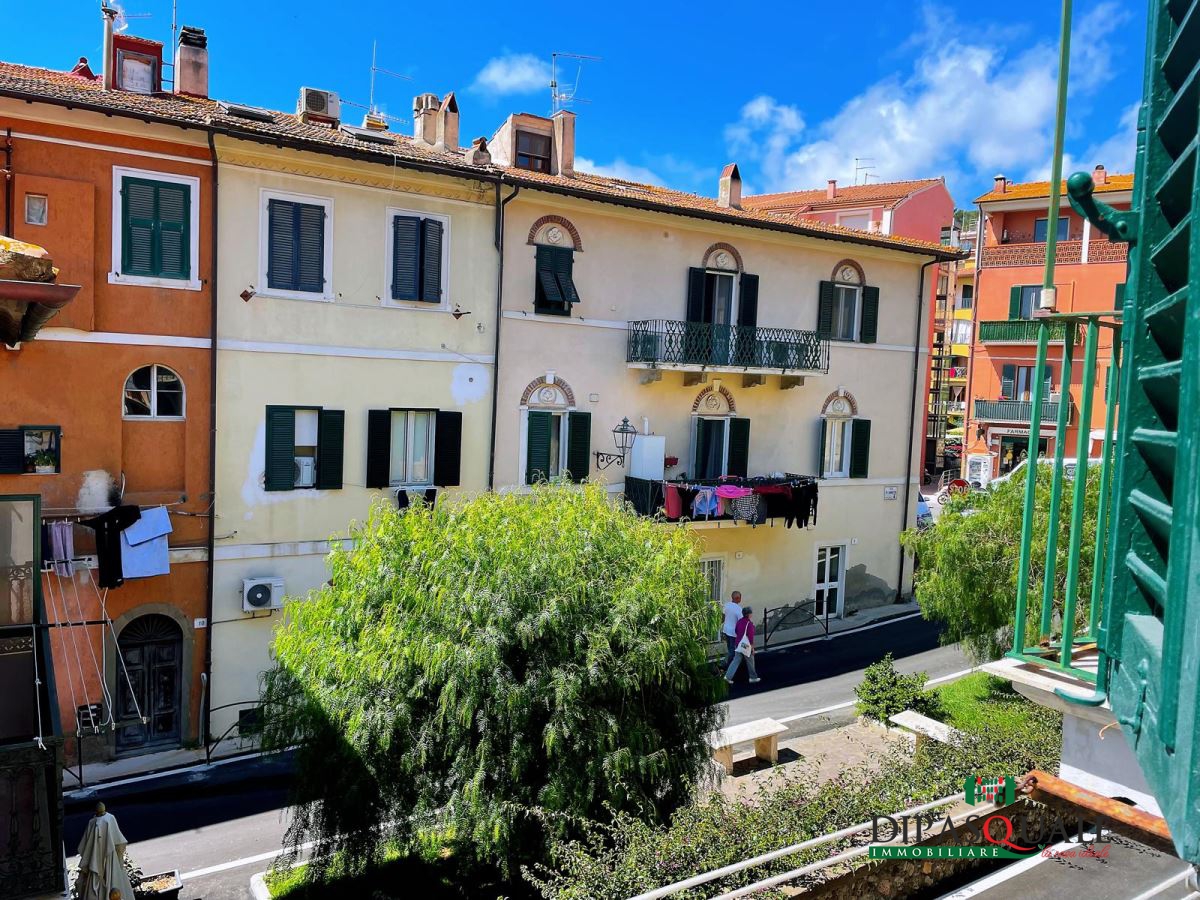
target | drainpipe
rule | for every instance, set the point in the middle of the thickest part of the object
(212, 442)
(912, 419)
(500, 204)
(8, 183)
(968, 395)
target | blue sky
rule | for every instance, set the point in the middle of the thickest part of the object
(792, 92)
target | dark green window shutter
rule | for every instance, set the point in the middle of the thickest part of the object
(406, 257)
(821, 448)
(579, 445)
(1014, 302)
(739, 447)
(174, 224)
(548, 297)
(1008, 382)
(860, 447)
(310, 246)
(1119, 296)
(870, 315)
(1049, 382)
(695, 295)
(137, 223)
(155, 228)
(431, 260)
(12, 451)
(564, 267)
(281, 448)
(295, 246)
(748, 301)
(825, 299)
(537, 446)
(447, 448)
(331, 446)
(379, 448)
(281, 245)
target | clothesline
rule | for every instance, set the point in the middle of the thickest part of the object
(751, 500)
(740, 481)
(75, 514)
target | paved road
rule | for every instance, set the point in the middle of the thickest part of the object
(197, 828)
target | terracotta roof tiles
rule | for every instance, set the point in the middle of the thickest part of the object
(882, 193)
(1032, 190)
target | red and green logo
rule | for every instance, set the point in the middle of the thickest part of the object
(998, 789)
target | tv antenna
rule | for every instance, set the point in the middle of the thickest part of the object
(560, 99)
(864, 165)
(371, 108)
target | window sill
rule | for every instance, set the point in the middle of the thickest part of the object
(411, 487)
(416, 305)
(154, 418)
(295, 295)
(38, 473)
(178, 284)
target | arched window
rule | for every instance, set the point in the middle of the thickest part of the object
(154, 392)
(845, 438)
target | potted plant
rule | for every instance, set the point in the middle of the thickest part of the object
(30, 461)
(44, 463)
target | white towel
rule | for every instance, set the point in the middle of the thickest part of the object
(144, 550)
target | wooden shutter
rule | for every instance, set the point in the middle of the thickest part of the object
(379, 448)
(1014, 302)
(547, 296)
(739, 447)
(447, 448)
(564, 266)
(281, 448)
(12, 451)
(1008, 382)
(281, 245)
(431, 260)
(310, 248)
(137, 227)
(406, 257)
(825, 300)
(821, 448)
(579, 445)
(860, 447)
(537, 446)
(748, 301)
(695, 295)
(870, 315)
(1119, 296)
(173, 243)
(331, 446)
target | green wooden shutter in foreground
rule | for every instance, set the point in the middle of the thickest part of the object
(379, 448)
(579, 445)
(331, 444)
(860, 447)
(870, 315)
(739, 447)
(537, 446)
(825, 298)
(281, 448)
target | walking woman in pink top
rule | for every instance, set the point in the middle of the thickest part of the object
(744, 635)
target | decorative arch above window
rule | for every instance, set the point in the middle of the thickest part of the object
(154, 392)
(845, 438)
(840, 404)
(723, 256)
(548, 392)
(718, 402)
(555, 231)
(848, 272)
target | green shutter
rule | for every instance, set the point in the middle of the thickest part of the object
(860, 447)
(695, 295)
(379, 448)
(564, 266)
(1119, 296)
(295, 246)
(281, 448)
(310, 248)
(406, 257)
(748, 301)
(1014, 302)
(825, 299)
(331, 445)
(821, 448)
(548, 297)
(1008, 382)
(579, 445)
(739, 447)
(870, 315)
(155, 229)
(12, 451)
(537, 446)
(173, 242)
(431, 260)
(447, 448)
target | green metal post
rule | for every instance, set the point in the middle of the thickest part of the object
(1060, 125)
(1079, 497)
(1110, 416)
(1035, 426)
(1060, 440)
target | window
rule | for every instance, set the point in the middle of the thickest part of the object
(861, 221)
(1040, 230)
(848, 312)
(720, 446)
(713, 570)
(156, 228)
(845, 313)
(554, 288)
(827, 582)
(418, 248)
(533, 151)
(413, 447)
(296, 246)
(1016, 382)
(304, 447)
(1023, 300)
(30, 448)
(153, 392)
(37, 209)
(967, 297)
(845, 447)
(557, 445)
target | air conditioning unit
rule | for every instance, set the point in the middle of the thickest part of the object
(320, 105)
(306, 471)
(262, 593)
(1055, 396)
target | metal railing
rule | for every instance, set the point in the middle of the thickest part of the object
(1064, 598)
(1018, 410)
(800, 614)
(1020, 331)
(666, 342)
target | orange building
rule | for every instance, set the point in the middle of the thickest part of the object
(1089, 270)
(110, 407)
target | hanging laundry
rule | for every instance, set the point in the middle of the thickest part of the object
(672, 502)
(745, 507)
(62, 547)
(733, 492)
(705, 504)
(144, 551)
(108, 527)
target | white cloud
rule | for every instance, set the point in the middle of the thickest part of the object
(1116, 152)
(513, 73)
(618, 168)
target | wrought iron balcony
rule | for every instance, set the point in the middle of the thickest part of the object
(1014, 410)
(1021, 331)
(670, 344)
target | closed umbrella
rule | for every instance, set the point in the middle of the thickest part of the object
(102, 873)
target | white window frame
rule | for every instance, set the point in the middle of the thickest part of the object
(722, 562)
(832, 422)
(563, 412)
(265, 196)
(854, 214)
(734, 294)
(389, 243)
(724, 442)
(839, 286)
(28, 220)
(154, 416)
(193, 184)
(844, 546)
(408, 445)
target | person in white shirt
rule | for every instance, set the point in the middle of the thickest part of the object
(732, 611)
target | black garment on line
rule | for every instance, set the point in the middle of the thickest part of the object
(108, 527)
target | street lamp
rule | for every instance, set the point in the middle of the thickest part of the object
(623, 436)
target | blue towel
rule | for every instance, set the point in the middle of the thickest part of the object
(144, 550)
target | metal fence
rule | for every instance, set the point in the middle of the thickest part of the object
(670, 342)
(800, 614)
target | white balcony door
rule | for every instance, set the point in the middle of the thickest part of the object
(829, 584)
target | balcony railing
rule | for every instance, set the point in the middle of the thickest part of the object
(666, 343)
(1021, 331)
(1100, 250)
(1014, 410)
(647, 497)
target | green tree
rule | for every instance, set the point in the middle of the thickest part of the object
(967, 563)
(490, 673)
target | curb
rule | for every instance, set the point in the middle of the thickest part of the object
(258, 886)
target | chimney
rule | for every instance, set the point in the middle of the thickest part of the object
(1099, 175)
(83, 70)
(191, 62)
(999, 185)
(729, 192)
(831, 189)
(425, 113)
(447, 124)
(564, 143)
(478, 155)
(108, 14)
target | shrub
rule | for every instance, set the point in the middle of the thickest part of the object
(883, 692)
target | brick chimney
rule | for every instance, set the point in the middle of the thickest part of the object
(729, 192)
(425, 115)
(831, 189)
(564, 142)
(999, 185)
(1099, 175)
(191, 62)
(447, 124)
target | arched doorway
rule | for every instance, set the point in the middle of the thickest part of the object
(151, 649)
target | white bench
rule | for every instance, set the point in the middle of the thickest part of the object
(764, 732)
(925, 728)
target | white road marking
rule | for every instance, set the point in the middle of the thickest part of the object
(827, 709)
(238, 863)
(845, 633)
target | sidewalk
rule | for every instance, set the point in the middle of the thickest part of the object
(853, 622)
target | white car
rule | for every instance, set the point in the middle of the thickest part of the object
(1069, 466)
(924, 513)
